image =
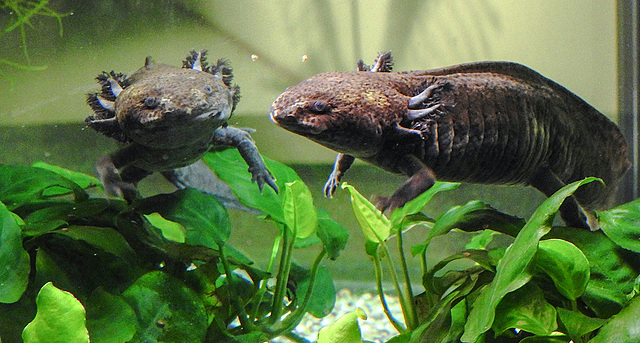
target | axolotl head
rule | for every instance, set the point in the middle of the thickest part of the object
(348, 112)
(165, 107)
(165, 104)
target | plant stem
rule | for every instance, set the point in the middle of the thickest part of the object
(410, 314)
(245, 321)
(263, 284)
(378, 270)
(296, 316)
(283, 275)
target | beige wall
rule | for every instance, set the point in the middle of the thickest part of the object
(572, 42)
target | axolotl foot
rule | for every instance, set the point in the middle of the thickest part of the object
(112, 180)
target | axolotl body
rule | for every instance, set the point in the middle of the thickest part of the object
(484, 122)
(168, 118)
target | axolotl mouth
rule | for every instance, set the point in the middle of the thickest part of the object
(306, 125)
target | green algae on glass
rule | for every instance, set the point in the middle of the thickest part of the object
(20, 14)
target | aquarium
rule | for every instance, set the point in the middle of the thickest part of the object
(265, 255)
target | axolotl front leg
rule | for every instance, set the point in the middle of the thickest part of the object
(241, 140)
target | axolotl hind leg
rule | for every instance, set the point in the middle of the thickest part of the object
(421, 178)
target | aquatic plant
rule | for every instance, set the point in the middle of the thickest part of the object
(20, 14)
(75, 265)
(550, 284)
(160, 269)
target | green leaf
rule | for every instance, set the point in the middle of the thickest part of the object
(324, 292)
(441, 285)
(554, 338)
(623, 327)
(416, 205)
(566, 265)
(622, 225)
(166, 310)
(333, 235)
(109, 318)
(22, 184)
(612, 269)
(82, 180)
(170, 230)
(106, 239)
(299, 213)
(481, 240)
(232, 169)
(206, 221)
(514, 269)
(401, 338)
(14, 260)
(60, 318)
(45, 217)
(374, 225)
(344, 330)
(475, 216)
(577, 324)
(525, 309)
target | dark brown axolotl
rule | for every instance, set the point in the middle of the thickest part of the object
(168, 118)
(485, 122)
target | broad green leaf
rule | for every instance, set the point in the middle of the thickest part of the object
(623, 327)
(525, 309)
(401, 338)
(166, 310)
(333, 235)
(604, 297)
(170, 230)
(475, 216)
(577, 324)
(514, 269)
(83, 180)
(104, 238)
(109, 318)
(232, 169)
(324, 292)
(622, 225)
(299, 213)
(22, 184)
(14, 260)
(45, 217)
(374, 225)
(612, 269)
(343, 330)
(565, 264)
(434, 311)
(481, 240)
(554, 338)
(60, 318)
(416, 205)
(438, 285)
(206, 221)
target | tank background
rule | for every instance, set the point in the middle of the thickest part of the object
(42, 112)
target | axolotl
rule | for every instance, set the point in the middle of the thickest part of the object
(168, 118)
(483, 122)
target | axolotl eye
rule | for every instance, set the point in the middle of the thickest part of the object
(151, 102)
(320, 107)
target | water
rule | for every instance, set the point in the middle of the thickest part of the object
(275, 44)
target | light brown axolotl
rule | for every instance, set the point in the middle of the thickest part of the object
(168, 118)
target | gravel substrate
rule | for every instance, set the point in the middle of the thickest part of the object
(376, 328)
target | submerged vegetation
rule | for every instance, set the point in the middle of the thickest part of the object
(79, 267)
(18, 15)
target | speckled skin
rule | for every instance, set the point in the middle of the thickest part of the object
(486, 122)
(169, 117)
